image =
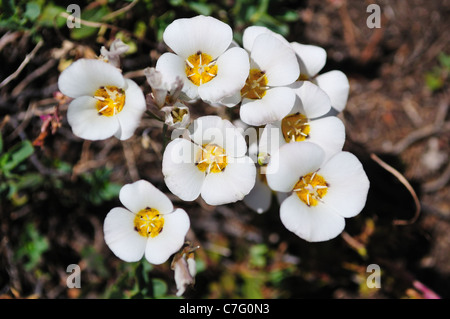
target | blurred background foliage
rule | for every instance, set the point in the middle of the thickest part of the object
(56, 191)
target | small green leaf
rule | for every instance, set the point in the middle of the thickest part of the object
(200, 8)
(444, 60)
(94, 15)
(32, 11)
(159, 288)
(50, 14)
(18, 154)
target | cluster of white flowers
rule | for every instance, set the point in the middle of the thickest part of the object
(280, 93)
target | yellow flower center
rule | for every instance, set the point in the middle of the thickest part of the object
(178, 114)
(211, 159)
(256, 85)
(148, 222)
(110, 100)
(295, 128)
(311, 188)
(200, 68)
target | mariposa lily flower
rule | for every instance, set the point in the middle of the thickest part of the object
(266, 96)
(305, 122)
(204, 58)
(322, 193)
(104, 103)
(148, 225)
(211, 163)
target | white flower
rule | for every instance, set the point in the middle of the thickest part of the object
(203, 59)
(105, 103)
(323, 193)
(148, 226)
(305, 123)
(212, 163)
(266, 96)
(335, 83)
(177, 116)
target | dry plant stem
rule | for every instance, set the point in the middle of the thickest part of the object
(24, 63)
(419, 134)
(119, 11)
(439, 183)
(131, 161)
(32, 76)
(408, 186)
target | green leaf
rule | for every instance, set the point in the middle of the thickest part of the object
(444, 60)
(434, 82)
(50, 14)
(33, 245)
(94, 15)
(200, 8)
(159, 288)
(32, 11)
(18, 154)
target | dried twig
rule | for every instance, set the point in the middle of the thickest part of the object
(437, 184)
(24, 63)
(408, 186)
(425, 131)
(32, 76)
(131, 161)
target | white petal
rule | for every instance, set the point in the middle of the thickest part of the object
(292, 161)
(171, 238)
(120, 236)
(336, 85)
(312, 99)
(271, 139)
(142, 194)
(260, 197)
(348, 184)
(276, 59)
(328, 133)
(172, 66)
(232, 71)
(85, 76)
(312, 58)
(276, 104)
(229, 101)
(130, 116)
(206, 34)
(213, 129)
(208, 130)
(314, 223)
(83, 117)
(252, 32)
(181, 175)
(230, 185)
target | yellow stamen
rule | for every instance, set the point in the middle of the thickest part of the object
(255, 86)
(110, 100)
(178, 114)
(311, 188)
(295, 127)
(148, 222)
(200, 68)
(211, 159)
